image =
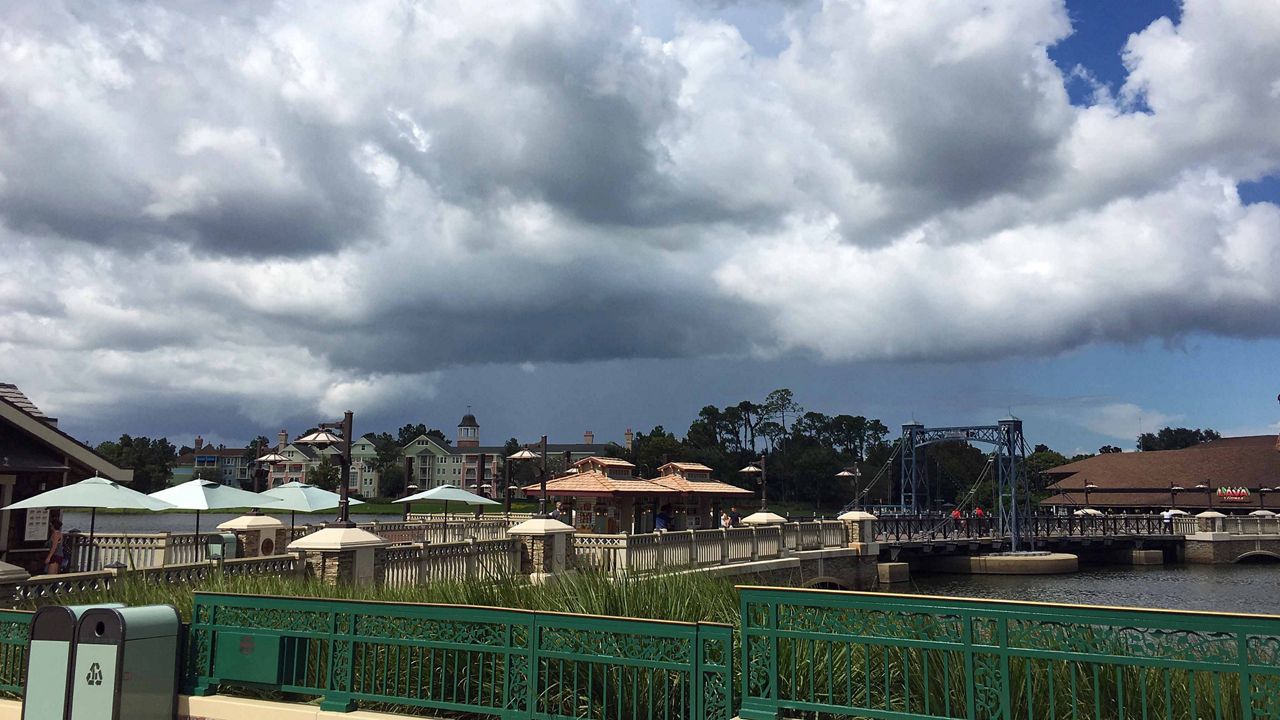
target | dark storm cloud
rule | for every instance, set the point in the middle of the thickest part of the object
(317, 205)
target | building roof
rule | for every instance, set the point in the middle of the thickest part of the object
(686, 467)
(469, 420)
(83, 460)
(1144, 478)
(11, 393)
(699, 487)
(595, 483)
(604, 461)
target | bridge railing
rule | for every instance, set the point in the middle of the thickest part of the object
(513, 664)
(649, 552)
(842, 654)
(440, 530)
(928, 528)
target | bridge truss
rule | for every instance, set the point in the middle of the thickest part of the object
(1012, 493)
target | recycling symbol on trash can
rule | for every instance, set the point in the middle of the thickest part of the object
(95, 675)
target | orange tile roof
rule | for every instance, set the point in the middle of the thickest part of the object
(702, 487)
(696, 467)
(594, 482)
(598, 460)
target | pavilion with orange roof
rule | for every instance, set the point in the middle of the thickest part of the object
(607, 497)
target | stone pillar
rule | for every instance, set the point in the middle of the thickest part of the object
(547, 546)
(11, 576)
(1209, 521)
(257, 535)
(341, 556)
(860, 529)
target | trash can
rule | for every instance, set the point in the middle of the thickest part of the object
(222, 546)
(126, 664)
(50, 658)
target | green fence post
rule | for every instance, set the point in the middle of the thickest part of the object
(338, 697)
(759, 623)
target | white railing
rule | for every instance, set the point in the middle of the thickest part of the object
(469, 560)
(439, 530)
(1236, 525)
(697, 548)
(69, 586)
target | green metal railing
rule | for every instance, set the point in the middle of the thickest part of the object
(15, 629)
(488, 661)
(872, 655)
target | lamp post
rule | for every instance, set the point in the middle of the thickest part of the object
(1173, 494)
(852, 478)
(759, 468)
(1088, 487)
(323, 438)
(1208, 493)
(525, 455)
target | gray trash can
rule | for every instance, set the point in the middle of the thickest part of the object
(222, 546)
(126, 664)
(50, 658)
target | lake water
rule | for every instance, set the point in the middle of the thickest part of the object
(1223, 588)
(186, 522)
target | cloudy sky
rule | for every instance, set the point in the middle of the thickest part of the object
(226, 218)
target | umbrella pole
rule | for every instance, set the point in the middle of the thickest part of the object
(197, 522)
(93, 519)
(292, 514)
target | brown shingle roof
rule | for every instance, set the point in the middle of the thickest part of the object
(16, 397)
(603, 461)
(1136, 479)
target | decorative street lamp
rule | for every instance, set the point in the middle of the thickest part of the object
(261, 472)
(1208, 493)
(526, 455)
(759, 468)
(1088, 487)
(1173, 494)
(852, 478)
(323, 438)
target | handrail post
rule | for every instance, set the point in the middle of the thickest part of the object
(471, 560)
(755, 544)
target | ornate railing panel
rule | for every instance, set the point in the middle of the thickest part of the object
(417, 563)
(64, 587)
(182, 548)
(15, 629)
(651, 552)
(870, 655)
(509, 663)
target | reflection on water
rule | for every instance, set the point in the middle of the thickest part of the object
(1224, 588)
(186, 522)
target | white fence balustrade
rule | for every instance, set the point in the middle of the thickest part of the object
(697, 548)
(468, 560)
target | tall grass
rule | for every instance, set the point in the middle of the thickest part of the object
(690, 597)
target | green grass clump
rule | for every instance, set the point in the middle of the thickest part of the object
(690, 597)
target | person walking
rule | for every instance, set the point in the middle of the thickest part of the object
(1167, 518)
(735, 518)
(726, 522)
(59, 556)
(662, 522)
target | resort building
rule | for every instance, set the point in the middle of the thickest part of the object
(428, 462)
(229, 466)
(365, 479)
(36, 456)
(1237, 474)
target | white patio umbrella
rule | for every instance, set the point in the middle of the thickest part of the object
(299, 497)
(1263, 513)
(93, 493)
(201, 494)
(1087, 511)
(1175, 511)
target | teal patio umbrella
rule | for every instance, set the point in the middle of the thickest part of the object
(447, 494)
(299, 497)
(93, 493)
(201, 494)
